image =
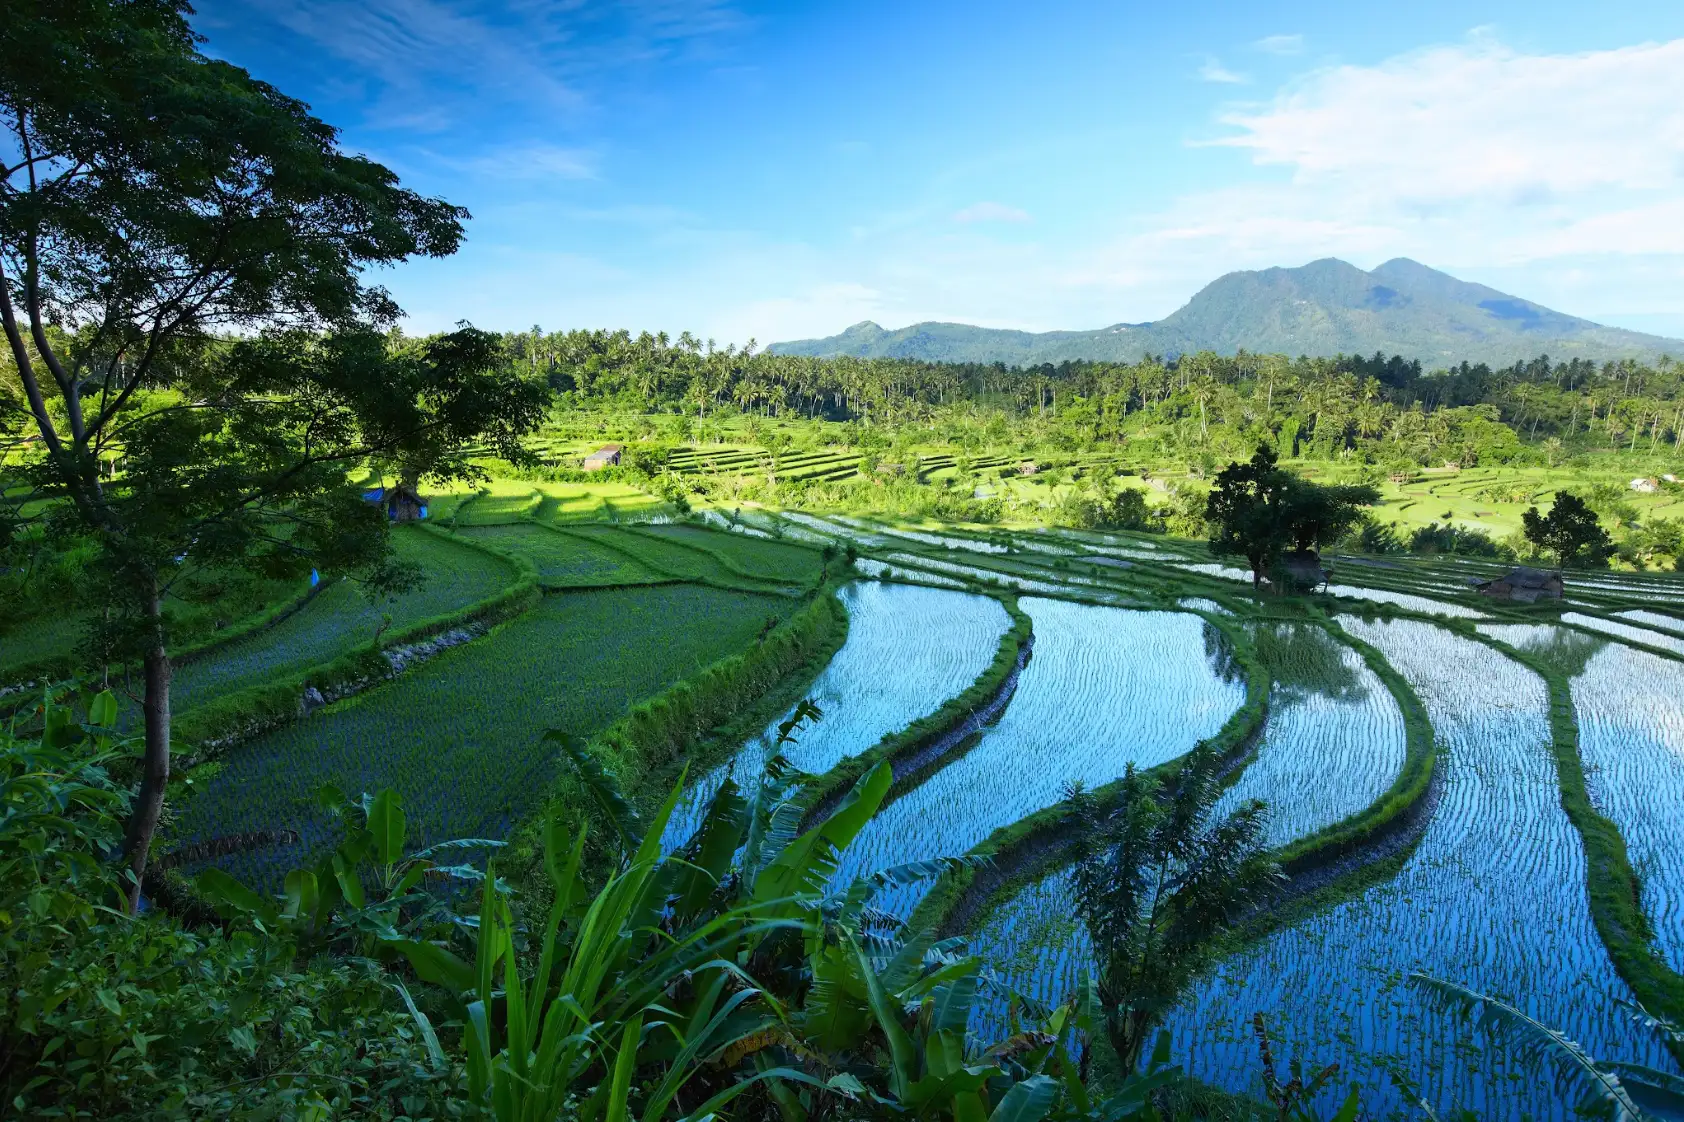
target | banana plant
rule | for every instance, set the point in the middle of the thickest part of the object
(622, 1008)
(363, 893)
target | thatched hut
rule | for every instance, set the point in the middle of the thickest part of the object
(1524, 585)
(1302, 568)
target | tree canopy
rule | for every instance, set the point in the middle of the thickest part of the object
(1258, 511)
(151, 197)
(1570, 531)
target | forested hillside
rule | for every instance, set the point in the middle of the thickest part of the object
(1322, 309)
(1378, 409)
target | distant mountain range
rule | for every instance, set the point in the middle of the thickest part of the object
(1324, 308)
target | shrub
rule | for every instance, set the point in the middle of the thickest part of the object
(1450, 538)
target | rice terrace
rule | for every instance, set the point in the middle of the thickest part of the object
(1271, 711)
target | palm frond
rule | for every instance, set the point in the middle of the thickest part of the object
(1533, 1043)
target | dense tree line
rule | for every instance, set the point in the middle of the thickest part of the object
(1384, 407)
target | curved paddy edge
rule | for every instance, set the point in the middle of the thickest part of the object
(1031, 847)
(255, 709)
(1610, 882)
(655, 737)
(917, 750)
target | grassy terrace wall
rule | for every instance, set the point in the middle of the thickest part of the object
(659, 733)
(1029, 847)
(918, 748)
(1397, 809)
(251, 710)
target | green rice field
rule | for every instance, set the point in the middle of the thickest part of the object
(1486, 886)
(460, 737)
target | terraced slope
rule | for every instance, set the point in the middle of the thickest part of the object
(341, 617)
(1630, 708)
(763, 559)
(564, 560)
(1492, 898)
(1105, 687)
(1333, 742)
(908, 650)
(459, 737)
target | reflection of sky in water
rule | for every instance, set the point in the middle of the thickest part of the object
(1626, 631)
(1493, 897)
(1335, 737)
(1105, 687)
(908, 651)
(1630, 707)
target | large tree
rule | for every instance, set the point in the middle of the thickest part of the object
(152, 198)
(1258, 510)
(1570, 531)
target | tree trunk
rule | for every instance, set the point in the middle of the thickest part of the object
(155, 774)
(1127, 1032)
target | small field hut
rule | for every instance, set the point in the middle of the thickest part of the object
(606, 456)
(1302, 568)
(402, 503)
(1524, 585)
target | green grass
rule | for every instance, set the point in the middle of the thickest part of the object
(564, 560)
(460, 736)
(753, 556)
(500, 500)
(604, 501)
(675, 559)
(342, 617)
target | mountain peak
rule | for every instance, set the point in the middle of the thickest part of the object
(1322, 308)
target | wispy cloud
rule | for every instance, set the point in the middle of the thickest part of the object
(444, 61)
(1281, 44)
(991, 212)
(533, 161)
(1212, 70)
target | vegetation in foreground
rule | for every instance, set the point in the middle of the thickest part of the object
(174, 482)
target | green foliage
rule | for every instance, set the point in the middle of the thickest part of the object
(1456, 539)
(1570, 531)
(1158, 884)
(1373, 536)
(473, 716)
(1127, 509)
(359, 894)
(108, 1016)
(1258, 511)
(1625, 1092)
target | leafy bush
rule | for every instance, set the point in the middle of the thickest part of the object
(111, 1016)
(1450, 538)
(1373, 536)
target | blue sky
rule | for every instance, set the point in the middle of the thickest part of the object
(782, 170)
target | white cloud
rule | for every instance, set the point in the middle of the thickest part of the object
(1280, 44)
(1556, 177)
(532, 161)
(1214, 71)
(1481, 122)
(991, 212)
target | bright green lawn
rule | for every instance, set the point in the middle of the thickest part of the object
(564, 560)
(459, 736)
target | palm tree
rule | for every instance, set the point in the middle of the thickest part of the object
(1158, 885)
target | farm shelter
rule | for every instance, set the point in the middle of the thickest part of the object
(402, 503)
(606, 456)
(1303, 569)
(1524, 585)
